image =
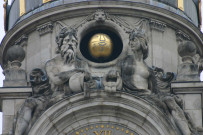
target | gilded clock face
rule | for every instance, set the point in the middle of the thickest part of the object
(104, 129)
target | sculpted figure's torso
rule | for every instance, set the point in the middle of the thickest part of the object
(141, 75)
(141, 71)
(135, 72)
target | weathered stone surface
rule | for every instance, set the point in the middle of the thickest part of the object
(15, 77)
(8, 107)
(188, 70)
(195, 117)
(15, 53)
(7, 124)
(192, 101)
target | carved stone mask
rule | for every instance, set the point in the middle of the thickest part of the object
(100, 16)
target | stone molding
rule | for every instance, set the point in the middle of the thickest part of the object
(22, 41)
(189, 87)
(15, 92)
(181, 36)
(157, 25)
(45, 28)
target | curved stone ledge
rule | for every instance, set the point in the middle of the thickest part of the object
(76, 111)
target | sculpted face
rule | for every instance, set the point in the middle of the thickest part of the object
(36, 77)
(68, 48)
(100, 16)
(135, 45)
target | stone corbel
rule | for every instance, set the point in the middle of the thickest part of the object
(181, 36)
(22, 41)
(157, 25)
(45, 28)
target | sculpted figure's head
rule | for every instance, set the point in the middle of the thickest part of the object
(67, 44)
(100, 16)
(37, 77)
(138, 42)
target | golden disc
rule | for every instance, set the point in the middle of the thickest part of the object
(100, 45)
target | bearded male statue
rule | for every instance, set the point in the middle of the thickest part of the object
(62, 71)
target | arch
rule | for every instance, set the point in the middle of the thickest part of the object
(121, 108)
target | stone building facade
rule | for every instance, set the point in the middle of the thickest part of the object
(78, 67)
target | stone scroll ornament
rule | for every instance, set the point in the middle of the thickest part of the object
(33, 106)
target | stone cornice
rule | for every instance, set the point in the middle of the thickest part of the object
(155, 24)
(22, 41)
(180, 36)
(83, 9)
(15, 92)
(187, 87)
(45, 28)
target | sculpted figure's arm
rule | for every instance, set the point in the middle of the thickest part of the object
(53, 72)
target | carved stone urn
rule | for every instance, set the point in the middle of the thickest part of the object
(188, 70)
(14, 75)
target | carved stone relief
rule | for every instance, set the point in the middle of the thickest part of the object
(131, 73)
